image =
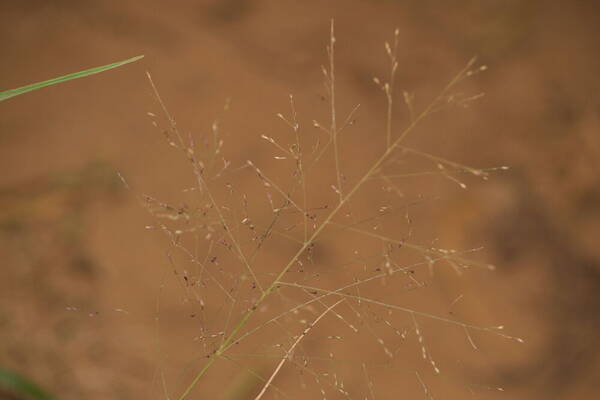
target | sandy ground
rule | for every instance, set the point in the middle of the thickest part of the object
(94, 305)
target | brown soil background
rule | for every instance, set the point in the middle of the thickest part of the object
(72, 236)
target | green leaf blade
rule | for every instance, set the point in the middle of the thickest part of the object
(7, 94)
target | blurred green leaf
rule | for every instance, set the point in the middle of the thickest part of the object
(20, 385)
(7, 94)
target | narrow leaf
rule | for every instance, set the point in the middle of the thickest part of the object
(7, 94)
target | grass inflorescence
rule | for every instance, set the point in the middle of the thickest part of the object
(228, 244)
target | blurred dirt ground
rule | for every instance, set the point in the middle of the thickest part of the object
(82, 279)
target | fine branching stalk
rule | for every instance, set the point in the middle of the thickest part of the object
(333, 130)
(291, 349)
(344, 198)
(189, 151)
(217, 223)
(389, 87)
